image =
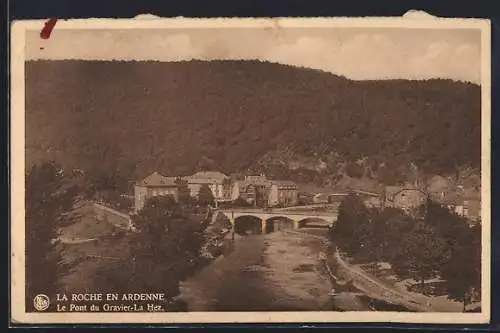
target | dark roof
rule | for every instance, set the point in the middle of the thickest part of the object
(407, 189)
(450, 198)
(371, 194)
(243, 185)
(208, 176)
(284, 183)
(265, 183)
(157, 180)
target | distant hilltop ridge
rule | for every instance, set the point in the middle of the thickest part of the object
(292, 123)
(256, 61)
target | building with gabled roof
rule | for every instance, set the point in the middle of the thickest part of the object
(157, 185)
(258, 190)
(282, 193)
(157, 180)
(214, 176)
(215, 180)
(460, 202)
(409, 199)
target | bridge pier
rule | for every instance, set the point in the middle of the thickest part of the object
(265, 216)
(232, 220)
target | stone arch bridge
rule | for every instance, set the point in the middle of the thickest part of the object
(296, 219)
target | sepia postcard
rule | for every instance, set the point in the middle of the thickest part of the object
(281, 170)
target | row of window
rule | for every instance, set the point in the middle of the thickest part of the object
(287, 194)
(160, 192)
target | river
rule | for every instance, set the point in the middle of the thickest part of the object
(273, 272)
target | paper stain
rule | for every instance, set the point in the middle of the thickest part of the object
(47, 28)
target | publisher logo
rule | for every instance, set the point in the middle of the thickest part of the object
(41, 302)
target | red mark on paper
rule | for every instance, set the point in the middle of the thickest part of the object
(47, 29)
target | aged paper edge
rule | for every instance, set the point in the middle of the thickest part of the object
(17, 149)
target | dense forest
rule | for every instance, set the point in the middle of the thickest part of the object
(137, 117)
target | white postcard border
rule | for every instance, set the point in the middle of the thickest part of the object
(17, 174)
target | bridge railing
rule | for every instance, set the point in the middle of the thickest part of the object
(284, 213)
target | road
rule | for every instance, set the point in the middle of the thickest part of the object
(387, 299)
(273, 272)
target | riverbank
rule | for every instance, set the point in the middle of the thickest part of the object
(374, 288)
(435, 301)
(353, 292)
(389, 290)
(273, 272)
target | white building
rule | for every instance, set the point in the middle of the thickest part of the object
(156, 185)
(214, 179)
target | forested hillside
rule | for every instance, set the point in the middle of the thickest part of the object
(234, 115)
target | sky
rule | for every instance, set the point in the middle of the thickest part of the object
(357, 53)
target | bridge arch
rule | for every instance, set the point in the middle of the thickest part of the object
(277, 223)
(248, 224)
(247, 221)
(313, 222)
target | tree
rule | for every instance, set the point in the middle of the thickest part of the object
(105, 183)
(164, 250)
(351, 228)
(50, 196)
(397, 226)
(355, 170)
(205, 196)
(450, 226)
(462, 273)
(377, 237)
(421, 254)
(389, 174)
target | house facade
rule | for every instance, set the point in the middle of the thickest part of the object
(213, 179)
(320, 198)
(371, 199)
(282, 193)
(157, 185)
(304, 198)
(472, 208)
(373, 202)
(452, 201)
(311, 194)
(459, 202)
(406, 199)
(250, 189)
(259, 191)
(260, 178)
